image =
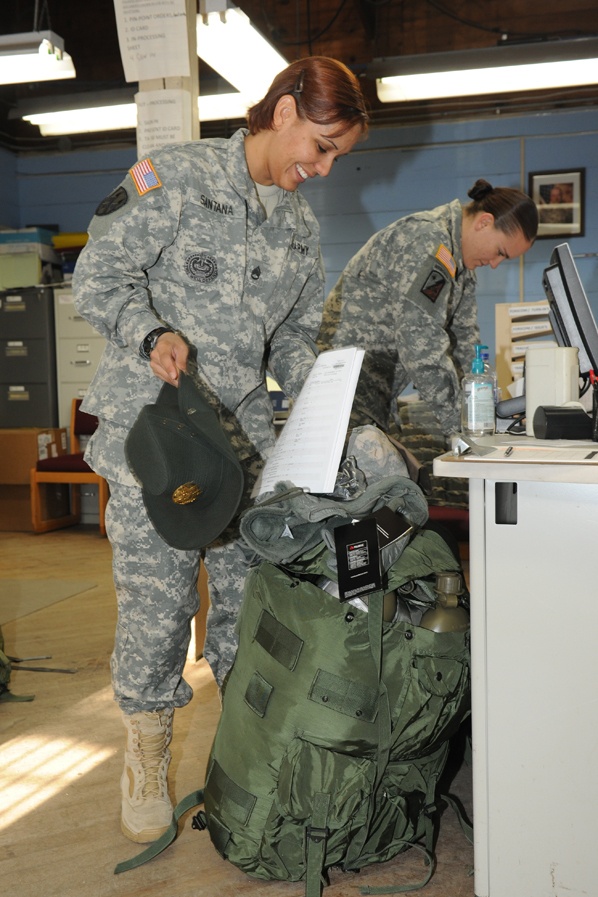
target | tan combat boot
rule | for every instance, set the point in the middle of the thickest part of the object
(146, 807)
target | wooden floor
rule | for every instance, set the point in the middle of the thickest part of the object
(61, 759)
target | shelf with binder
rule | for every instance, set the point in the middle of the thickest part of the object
(518, 325)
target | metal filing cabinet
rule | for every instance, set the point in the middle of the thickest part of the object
(28, 391)
(78, 351)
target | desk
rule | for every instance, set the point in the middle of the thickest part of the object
(534, 624)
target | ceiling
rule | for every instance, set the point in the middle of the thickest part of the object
(355, 31)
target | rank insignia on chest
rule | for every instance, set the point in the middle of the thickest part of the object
(433, 285)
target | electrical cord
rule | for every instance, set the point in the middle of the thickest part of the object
(517, 428)
(505, 33)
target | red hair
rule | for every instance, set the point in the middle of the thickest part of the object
(325, 90)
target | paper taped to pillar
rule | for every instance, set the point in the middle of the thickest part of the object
(163, 118)
(551, 378)
(153, 38)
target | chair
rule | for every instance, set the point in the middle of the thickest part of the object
(70, 469)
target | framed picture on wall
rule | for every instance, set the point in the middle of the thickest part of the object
(559, 196)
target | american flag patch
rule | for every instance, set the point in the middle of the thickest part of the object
(145, 177)
(445, 258)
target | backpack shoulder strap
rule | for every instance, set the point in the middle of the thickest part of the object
(317, 836)
(195, 799)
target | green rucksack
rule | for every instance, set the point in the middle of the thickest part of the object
(335, 725)
(336, 721)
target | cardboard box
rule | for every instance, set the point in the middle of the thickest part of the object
(15, 505)
(22, 447)
(27, 268)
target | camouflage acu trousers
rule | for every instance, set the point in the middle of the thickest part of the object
(157, 597)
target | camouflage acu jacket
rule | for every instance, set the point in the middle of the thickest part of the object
(184, 241)
(407, 299)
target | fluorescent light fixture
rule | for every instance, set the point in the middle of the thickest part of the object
(220, 106)
(229, 43)
(101, 110)
(81, 121)
(34, 56)
(112, 111)
(493, 70)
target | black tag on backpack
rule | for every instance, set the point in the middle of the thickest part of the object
(358, 558)
(392, 525)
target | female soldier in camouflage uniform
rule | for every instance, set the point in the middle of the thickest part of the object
(204, 259)
(408, 298)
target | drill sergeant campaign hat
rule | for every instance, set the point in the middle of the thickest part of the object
(191, 479)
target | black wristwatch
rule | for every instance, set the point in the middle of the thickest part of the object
(149, 343)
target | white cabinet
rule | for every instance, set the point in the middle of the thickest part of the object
(534, 624)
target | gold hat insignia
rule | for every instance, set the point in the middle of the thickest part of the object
(186, 494)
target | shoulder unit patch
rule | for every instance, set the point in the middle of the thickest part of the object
(113, 202)
(433, 285)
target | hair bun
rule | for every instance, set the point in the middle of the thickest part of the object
(480, 190)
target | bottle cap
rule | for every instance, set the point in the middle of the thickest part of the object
(477, 365)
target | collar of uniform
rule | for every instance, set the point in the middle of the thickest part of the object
(237, 170)
(296, 211)
(456, 213)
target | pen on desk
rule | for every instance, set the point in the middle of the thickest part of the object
(508, 451)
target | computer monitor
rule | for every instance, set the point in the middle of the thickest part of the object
(569, 310)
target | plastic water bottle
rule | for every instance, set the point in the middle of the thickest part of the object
(478, 406)
(488, 369)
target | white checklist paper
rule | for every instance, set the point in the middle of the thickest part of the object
(163, 118)
(308, 451)
(153, 40)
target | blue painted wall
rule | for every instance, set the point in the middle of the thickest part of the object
(403, 169)
(65, 188)
(397, 170)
